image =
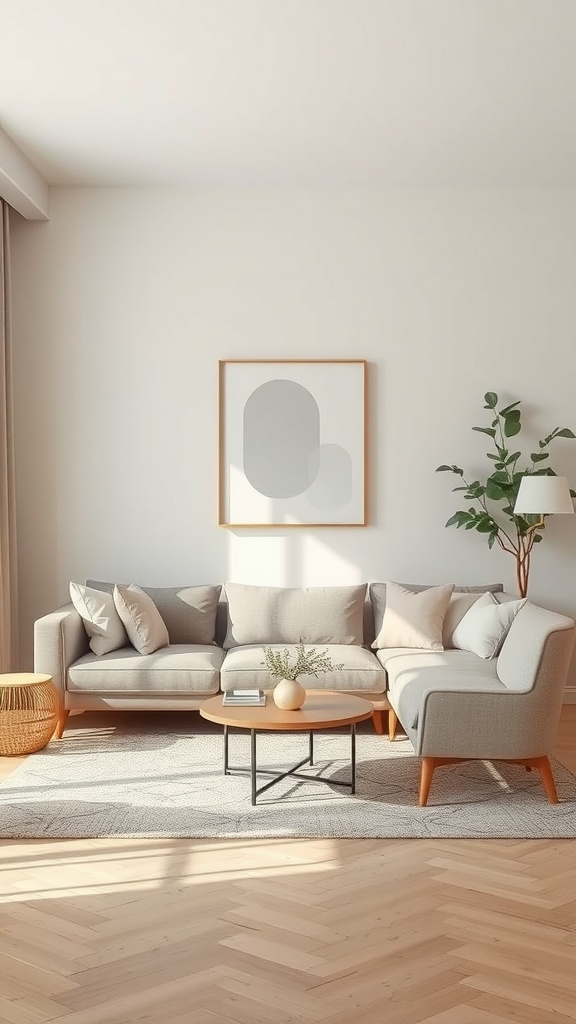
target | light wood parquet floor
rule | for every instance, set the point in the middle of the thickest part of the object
(286, 932)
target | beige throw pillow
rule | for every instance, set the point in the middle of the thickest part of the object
(144, 625)
(288, 615)
(414, 619)
(483, 629)
(101, 620)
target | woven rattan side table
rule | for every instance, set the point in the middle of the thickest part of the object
(28, 712)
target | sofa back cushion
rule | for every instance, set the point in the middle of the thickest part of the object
(189, 612)
(462, 599)
(276, 615)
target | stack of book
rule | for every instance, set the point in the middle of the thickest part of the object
(246, 698)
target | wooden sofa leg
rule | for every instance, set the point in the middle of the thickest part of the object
(62, 719)
(392, 724)
(426, 773)
(378, 722)
(428, 766)
(542, 764)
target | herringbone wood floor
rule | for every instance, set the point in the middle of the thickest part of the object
(283, 932)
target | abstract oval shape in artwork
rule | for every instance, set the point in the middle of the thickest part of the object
(281, 431)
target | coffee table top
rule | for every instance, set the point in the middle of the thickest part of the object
(320, 710)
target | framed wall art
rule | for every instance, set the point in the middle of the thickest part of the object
(292, 442)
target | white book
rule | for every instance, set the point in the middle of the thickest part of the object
(252, 698)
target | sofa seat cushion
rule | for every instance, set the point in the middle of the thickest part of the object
(243, 669)
(411, 676)
(179, 668)
(385, 654)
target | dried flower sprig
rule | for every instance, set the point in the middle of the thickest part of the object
(307, 661)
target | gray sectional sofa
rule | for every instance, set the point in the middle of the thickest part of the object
(216, 635)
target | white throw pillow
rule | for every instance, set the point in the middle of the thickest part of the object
(145, 626)
(483, 629)
(101, 620)
(414, 618)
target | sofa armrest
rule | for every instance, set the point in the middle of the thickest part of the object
(477, 724)
(59, 640)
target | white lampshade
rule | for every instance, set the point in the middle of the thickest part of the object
(543, 495)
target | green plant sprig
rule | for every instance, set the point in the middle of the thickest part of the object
(284, 665)
(501, 488)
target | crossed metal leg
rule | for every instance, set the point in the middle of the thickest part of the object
(294, 772)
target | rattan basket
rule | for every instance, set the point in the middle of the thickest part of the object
(28, 712)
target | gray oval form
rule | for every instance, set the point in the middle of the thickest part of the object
(332, 471)
(281, 430)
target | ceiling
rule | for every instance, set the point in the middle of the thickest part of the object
(292, 92)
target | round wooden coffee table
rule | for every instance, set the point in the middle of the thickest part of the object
(320, 711)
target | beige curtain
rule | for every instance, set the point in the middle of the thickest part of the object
(8, 592)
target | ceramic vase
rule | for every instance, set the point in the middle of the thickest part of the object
(289, 695)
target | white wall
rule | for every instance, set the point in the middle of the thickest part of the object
(125, 300)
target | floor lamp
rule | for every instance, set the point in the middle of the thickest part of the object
(538, 496)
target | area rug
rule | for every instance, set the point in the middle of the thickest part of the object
(169, 782)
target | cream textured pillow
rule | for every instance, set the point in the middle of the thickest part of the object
(414, 619)
(483, 629)
(101, 620)
(145, 626)
(288, 615)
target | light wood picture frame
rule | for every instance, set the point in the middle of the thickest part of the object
(292, 442)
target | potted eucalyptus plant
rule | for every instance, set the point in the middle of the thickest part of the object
(289, 694)
(492, 510)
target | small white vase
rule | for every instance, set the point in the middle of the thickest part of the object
(289, 695)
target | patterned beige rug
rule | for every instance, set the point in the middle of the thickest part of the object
(111, 778)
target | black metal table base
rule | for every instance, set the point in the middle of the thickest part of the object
(292, 772)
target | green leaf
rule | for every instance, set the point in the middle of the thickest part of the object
(458, 519)
(512, 426)
(485, 526)
(513, 457)
(491, 400)
(485, 430)
(492, 538)
(565, 432)
(537, 538)
(539, 456)
(494, 491)
(504, 412)
(450, 469)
